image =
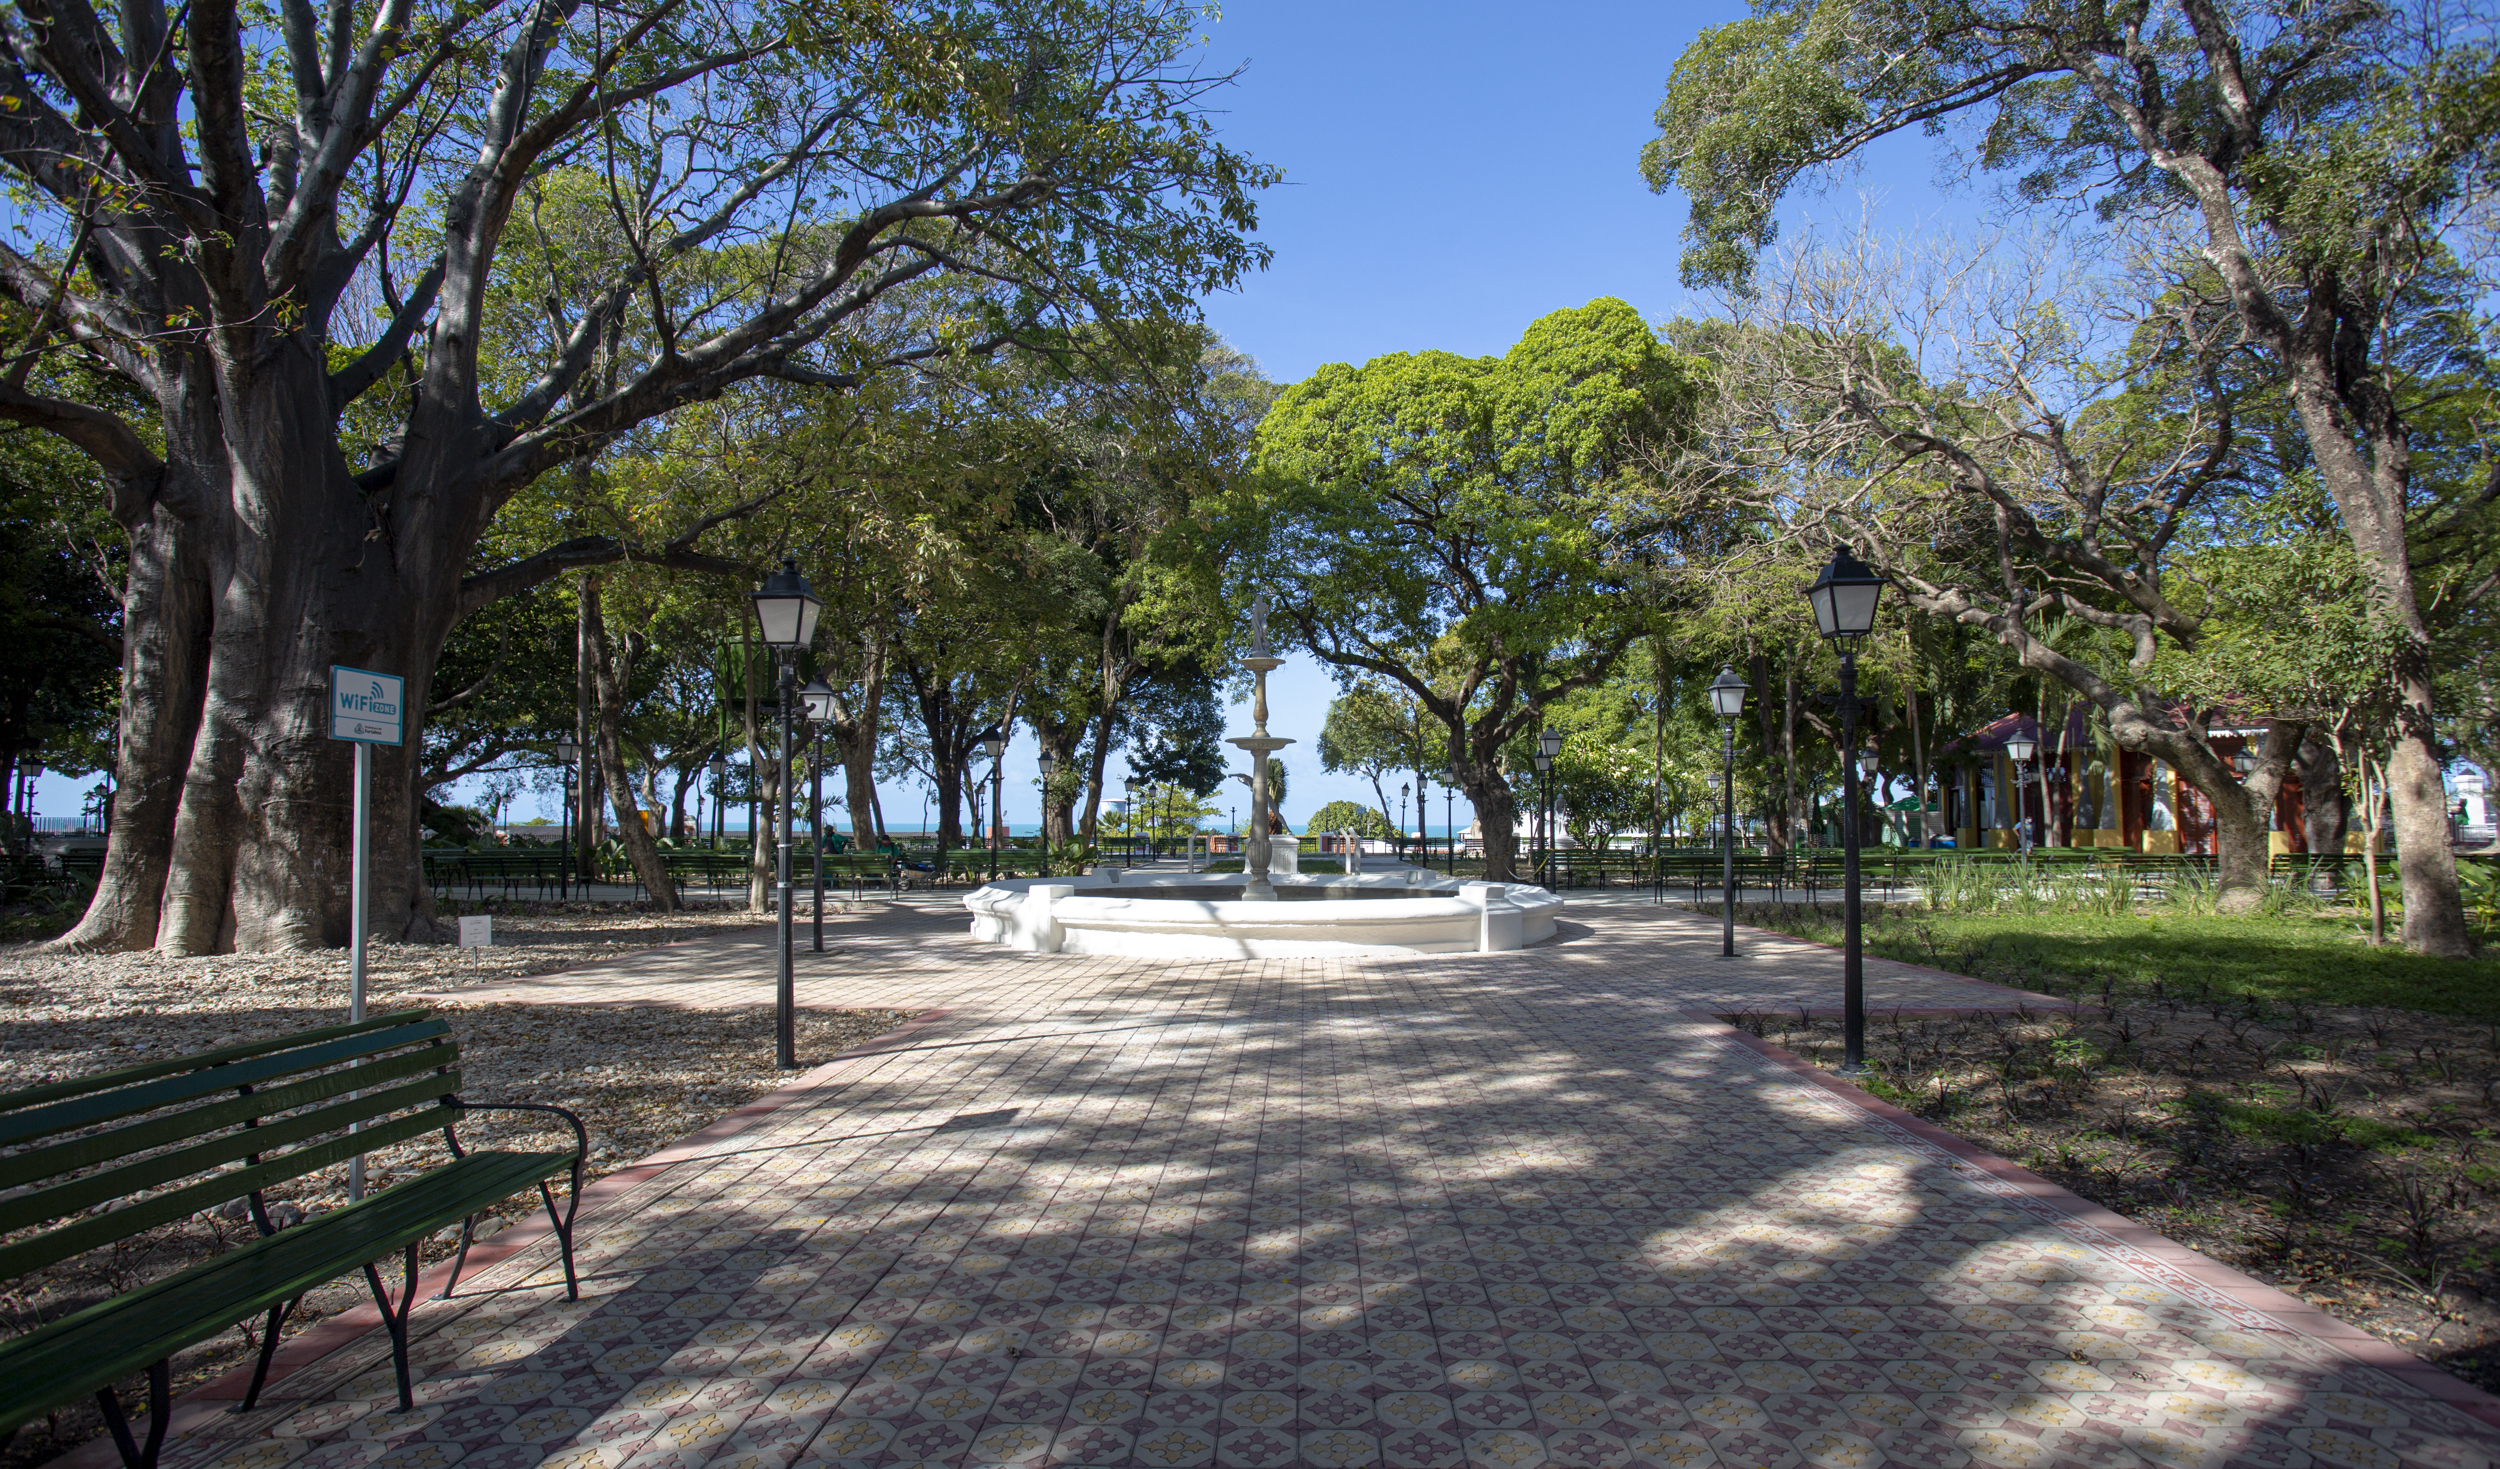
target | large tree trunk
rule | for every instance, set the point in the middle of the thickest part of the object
(858, 753)
(2244, 820)
(2426, 863)
(232, 821)
(1096, 760)
(1767, 714)
(690, 767)
(759, 779)
(2325, 810)
(2361, 445)
(1792, 814)
(1918, 739)
(165, 663)
(855, 738)
(585, 815)
(640, 848)
(1497, 815)
(1058, 737)
(950, 824)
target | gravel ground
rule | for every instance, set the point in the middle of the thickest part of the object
(639, 1077)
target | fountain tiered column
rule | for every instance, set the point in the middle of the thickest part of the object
(1257, 854)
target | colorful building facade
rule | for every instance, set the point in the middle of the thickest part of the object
(2087, 786)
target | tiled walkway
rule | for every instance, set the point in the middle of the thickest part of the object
(1510, 1210)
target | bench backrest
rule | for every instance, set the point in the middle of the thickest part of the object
(170, 1138)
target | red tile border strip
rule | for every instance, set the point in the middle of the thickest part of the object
(2085, 1219)
(349, 1326)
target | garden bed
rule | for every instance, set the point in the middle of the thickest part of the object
(2348, 1154)
(2309, 954)
(640, 1076)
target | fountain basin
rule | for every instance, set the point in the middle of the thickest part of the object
(1202, 916)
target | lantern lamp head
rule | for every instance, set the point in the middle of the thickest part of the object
(1727, 694)
(1844, 599)
(720, 767)
(786, 608)
(1549, 744)
(993, 744)
(2019, 748)
(1048, 763)
(567, 748)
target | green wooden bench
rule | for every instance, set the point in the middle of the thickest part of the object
(95, 1161)
(507, 868)
(714, 870)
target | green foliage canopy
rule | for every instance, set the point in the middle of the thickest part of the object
(1475, 532)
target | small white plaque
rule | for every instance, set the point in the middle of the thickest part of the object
(478, 932)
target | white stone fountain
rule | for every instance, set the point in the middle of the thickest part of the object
(1270, 910)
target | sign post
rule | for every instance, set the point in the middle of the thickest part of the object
(365, 708)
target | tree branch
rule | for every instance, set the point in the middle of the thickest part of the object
(129, 465)
(349, 382)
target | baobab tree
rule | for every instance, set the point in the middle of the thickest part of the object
(313, 242)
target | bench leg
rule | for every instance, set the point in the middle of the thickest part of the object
(564, 1229)
(268, 1351)
(468, 1232)
(160, 1408)
(395, 1320)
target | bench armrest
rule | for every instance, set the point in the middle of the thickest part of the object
(581, 1156)
(581, 1134)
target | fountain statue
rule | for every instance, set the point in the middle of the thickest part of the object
(1257, 852)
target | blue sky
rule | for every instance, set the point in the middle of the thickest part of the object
(1453, 172)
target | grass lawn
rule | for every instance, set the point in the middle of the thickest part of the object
(2297, 958)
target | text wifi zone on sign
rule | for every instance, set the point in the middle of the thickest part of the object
(366, 706)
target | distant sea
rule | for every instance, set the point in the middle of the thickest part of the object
(1435, 832)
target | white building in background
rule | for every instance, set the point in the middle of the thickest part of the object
(2469, 805)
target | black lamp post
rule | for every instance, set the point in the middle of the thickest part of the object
(1844, 599)
(994, 745)
(1548, 745)
(1449, 815)
(817, 697)
(720, 797)
(785, 613)
(566, 750)
(2019, 748)
(1046, 763)
(1727, 700)
(1419, 816)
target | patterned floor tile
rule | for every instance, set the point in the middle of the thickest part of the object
(1515, 1210)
